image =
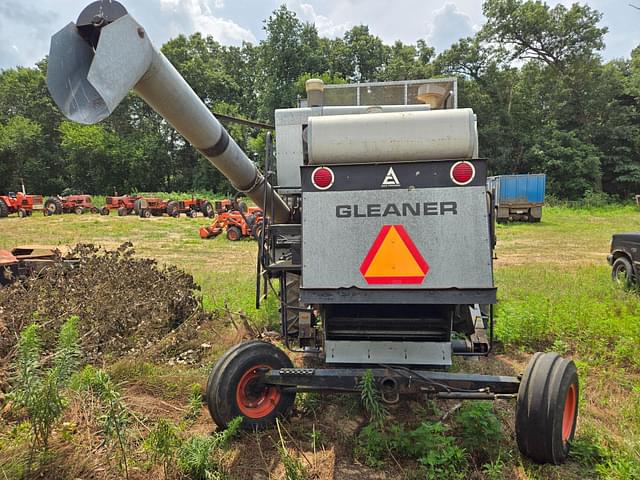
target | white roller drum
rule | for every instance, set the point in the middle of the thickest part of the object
(392, 137)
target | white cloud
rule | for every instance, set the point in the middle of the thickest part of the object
(326, 26)
(199, 15)
(448, 25)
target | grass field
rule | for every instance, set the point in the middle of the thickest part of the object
(554, 292)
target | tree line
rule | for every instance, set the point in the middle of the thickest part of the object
(545, 100)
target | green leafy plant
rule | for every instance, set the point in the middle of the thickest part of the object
(116, 417)
(293, 467)
(200, 456)
(162, 444)
(195, 402)
(436, 452)
(370, 398)
(195, 458)
(480, 429)
(372, 446)
(39, 391)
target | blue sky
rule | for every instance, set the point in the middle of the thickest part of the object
(27, 25)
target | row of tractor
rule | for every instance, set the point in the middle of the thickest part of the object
(147, 207)
(228, 215)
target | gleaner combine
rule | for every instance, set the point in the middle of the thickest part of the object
(380, 234)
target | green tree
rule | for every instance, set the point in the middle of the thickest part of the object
(534, 30)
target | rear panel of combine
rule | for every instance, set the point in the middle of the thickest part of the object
(388, 250)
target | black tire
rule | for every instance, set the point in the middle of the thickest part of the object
(78, 211)
(547, 408)
(104, 211)
(208, 210)
(192, 214)
(22, 213)
(145, 213)
(4, 210)
(256, 230)
(53, 206)
(234, 233)
(137, 207)
(229, 389)
(172, 208)
(123, 212)
(622, 271)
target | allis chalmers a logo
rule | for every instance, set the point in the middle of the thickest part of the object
(391, 179)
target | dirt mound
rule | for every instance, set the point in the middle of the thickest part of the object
(125, 304)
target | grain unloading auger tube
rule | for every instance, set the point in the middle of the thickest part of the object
(96, 61)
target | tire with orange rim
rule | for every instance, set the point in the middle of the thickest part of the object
(547, 408)
(234, 233)
(234, 387)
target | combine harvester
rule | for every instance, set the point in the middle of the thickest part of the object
(380, 235)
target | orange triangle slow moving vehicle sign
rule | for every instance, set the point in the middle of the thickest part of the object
(393, 259)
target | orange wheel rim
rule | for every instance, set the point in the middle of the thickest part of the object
(253, 401)
(568, 417)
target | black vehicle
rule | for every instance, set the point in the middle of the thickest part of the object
(625, 258)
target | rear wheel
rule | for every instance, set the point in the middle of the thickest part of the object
(622, 271)
(22, 213)
(172, 209)
(207, 209)
(235, 387)
(4, 210)
(234, 234)
(53, 206)
(547, 408)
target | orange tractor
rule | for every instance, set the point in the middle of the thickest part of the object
(191, 207)
(19, 203)
(77, 204)
(238, 221)
(124, 205)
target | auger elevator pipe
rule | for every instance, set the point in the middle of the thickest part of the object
(94, 63)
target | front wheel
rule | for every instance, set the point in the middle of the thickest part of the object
(547, 408)
(235, 387)
(622, 271)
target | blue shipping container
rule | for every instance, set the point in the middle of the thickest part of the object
(519, 189)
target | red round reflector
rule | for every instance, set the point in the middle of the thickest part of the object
(462, 173)
(322, 178)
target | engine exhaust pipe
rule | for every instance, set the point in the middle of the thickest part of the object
(95, 62)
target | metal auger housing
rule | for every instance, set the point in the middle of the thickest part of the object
(96, 61)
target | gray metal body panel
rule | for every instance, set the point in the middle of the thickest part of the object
(397, 353)
(456, 247)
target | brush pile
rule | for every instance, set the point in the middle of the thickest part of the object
(125, 304)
